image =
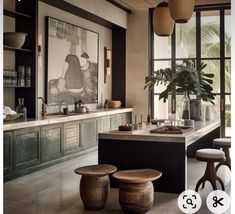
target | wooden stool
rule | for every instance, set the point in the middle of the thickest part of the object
(94, 185)
(210, 156)
(136, 193)
(225, 144)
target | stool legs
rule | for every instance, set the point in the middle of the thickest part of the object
(94, 191)
(210, 175)
(227, 161)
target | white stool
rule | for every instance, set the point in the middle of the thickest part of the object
(210, 156)
(225, 144)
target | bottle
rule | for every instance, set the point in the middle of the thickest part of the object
(28, 76)
(148, 119)
(185, 107)
(21, 109)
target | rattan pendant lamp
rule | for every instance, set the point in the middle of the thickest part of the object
(181, 10)
(163, 24)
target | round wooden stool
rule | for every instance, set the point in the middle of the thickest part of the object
(94, 185)
(225, 144)
(210, 156)
(136, 193)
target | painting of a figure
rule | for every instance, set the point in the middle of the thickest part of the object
(72, 66)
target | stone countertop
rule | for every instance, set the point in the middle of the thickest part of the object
(201, 128)
(63, 118)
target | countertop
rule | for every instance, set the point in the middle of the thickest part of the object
(201, 128)
(63, 118)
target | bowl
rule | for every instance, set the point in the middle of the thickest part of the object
(114, 104)
(14, 39)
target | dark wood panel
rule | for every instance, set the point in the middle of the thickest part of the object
(27, 147)
(79, 12)
(119, 65)
(52, 141)
(28, 26)
(169, 158)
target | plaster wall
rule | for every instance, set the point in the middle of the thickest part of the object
(137, 63)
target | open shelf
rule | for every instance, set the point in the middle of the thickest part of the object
(13, 14)
(14, 49)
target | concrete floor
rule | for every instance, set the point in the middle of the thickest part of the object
(56, 190)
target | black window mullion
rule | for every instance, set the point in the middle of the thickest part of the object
(198, 38)
(173, 65)
(222, 72)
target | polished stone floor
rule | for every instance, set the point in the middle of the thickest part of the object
(56, 190)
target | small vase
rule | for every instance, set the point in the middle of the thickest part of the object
(185, 107)
(196, 109)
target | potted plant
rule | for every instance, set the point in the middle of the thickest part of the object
(186, 79)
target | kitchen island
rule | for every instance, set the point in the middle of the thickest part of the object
(165, 152)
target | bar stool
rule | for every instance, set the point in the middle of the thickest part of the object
(210, 156)
(94, 185)
(225, 144)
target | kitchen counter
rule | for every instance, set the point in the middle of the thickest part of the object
(63, 118)
(167, 153)
(200, 129)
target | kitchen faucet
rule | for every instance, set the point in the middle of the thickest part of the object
(43, 111)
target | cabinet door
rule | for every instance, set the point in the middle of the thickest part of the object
(8, 153)
(52, 141)
(71, 137)
(126, 118)
(27, 147)
(88, 133)
(104, 124)
(116, 120)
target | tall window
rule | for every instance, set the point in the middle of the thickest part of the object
(206, 37)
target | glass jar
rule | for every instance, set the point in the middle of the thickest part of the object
(21, 109)
(185, 107)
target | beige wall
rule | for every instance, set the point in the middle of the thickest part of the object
(137, 62)
(105, 39)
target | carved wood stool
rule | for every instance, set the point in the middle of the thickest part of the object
(225, 144)
(94, 185)
(136, 193)
(210, 156)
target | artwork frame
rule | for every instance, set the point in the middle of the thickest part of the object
(72, 63)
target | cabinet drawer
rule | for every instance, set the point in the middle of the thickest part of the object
(27, 147)
(116, 120)
(89, 133)
(8, 153)
(52, 138)
(71, 137)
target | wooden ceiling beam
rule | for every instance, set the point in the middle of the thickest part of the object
(119, 6)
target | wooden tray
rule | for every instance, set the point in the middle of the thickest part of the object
(125, 128)
(166, 130)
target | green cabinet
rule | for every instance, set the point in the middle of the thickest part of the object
(115, 120)
(8, 153)
(71, 137)
(88, 133)
(26, 147)
(126, 118)
(52, 142)
(104, 124)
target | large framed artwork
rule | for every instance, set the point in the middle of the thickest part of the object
(72, 63)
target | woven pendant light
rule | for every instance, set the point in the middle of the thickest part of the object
(163, 24)
(181, 10)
